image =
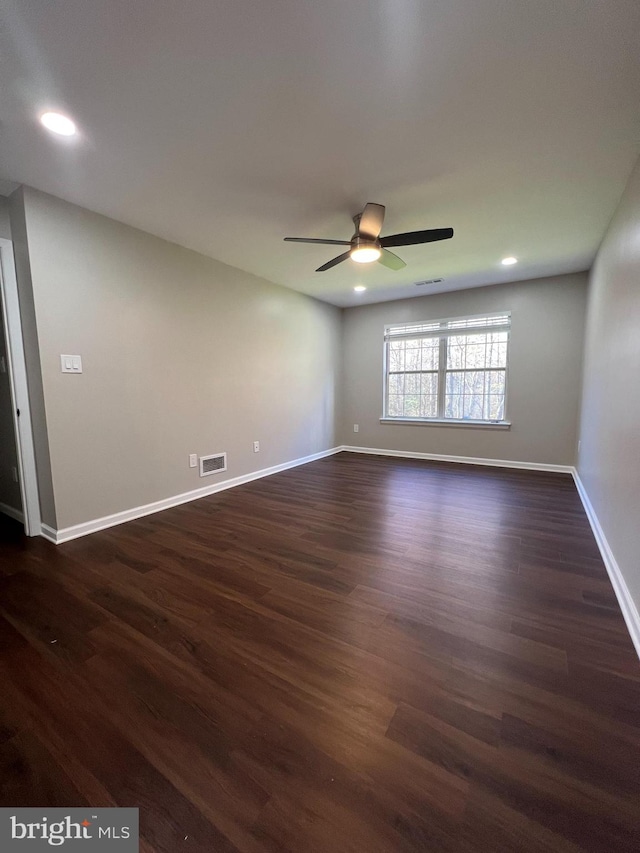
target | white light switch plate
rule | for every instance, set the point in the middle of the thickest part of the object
(71, 363)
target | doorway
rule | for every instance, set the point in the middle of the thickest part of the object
(11, 510)
(19, 504)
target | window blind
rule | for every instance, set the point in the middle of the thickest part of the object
(482, 324)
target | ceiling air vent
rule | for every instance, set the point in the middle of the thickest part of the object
(213, 464)
(429, 281)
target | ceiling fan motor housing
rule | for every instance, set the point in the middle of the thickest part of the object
(358, 242)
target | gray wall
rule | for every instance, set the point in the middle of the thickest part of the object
(609, 459)
(545, 361)
(181, 354)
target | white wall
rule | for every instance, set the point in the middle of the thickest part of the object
(545, 358)
(609, 460)
(181, 355)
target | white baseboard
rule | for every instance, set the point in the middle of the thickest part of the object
(77, 530)
(49, 533)
(464, 460)
(626, 602)
(12, 512)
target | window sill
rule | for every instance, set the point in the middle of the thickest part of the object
(439, 422)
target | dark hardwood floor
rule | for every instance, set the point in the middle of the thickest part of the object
(360, 654)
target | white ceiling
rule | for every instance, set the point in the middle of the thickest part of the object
(225, 125)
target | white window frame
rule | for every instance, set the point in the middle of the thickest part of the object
(443, 329)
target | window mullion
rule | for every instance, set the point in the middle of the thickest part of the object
(442, 374)
(385, 401)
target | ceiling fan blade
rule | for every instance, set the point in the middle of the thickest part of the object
(316, 240)
(413, 238)
(334, 262)
(371, 220)
(388, 259)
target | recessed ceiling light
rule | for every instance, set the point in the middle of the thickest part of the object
(507, 262)
(359, 288)
(57, 123)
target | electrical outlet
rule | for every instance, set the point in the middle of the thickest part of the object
(579, 443)
(14, 473)
(256, 447)
(356, 427)
(193, 460)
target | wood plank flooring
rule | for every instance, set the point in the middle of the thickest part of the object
(361, 654)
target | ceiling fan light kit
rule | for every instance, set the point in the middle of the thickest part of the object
(367, 246)
(364, 251)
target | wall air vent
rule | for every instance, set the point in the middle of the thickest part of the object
(213, 464)
(429, 281)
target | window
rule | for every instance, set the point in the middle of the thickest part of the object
(452, 369)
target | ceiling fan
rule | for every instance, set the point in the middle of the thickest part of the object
(367, 245)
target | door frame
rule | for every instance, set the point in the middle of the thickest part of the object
(17, 370)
